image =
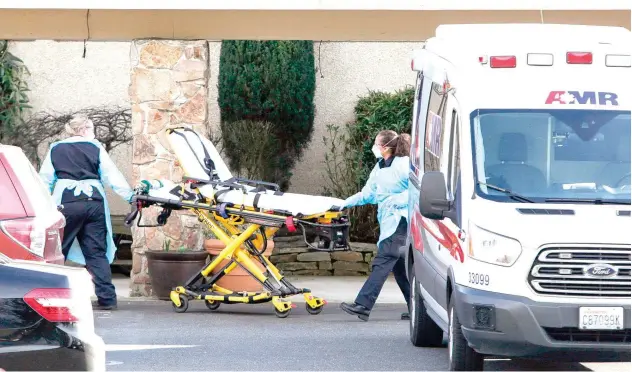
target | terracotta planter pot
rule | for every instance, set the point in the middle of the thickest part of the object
(171, 269)
(238, 279)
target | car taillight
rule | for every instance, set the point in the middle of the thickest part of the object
(53, 304)
(38, 235)
(27, 232)
(55, 236)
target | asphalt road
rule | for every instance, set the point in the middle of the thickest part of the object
(148, 335)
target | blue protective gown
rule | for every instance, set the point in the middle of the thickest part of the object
(84, 183)
(388, 188)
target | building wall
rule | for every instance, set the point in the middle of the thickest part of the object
(62, 80)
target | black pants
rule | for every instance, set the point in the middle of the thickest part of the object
(85, 220)
(387, 259)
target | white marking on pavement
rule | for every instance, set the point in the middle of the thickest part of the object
(111, 347)
(113, 363)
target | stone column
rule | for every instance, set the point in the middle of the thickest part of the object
(168, 87)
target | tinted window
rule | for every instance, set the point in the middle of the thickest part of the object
(547, 154)
(39, 197)
(420, 123)
(435, 129)
(9, 199)
(453, 165)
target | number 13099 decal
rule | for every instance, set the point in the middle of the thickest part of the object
(479, 279)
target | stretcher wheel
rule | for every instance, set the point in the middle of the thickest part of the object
(212, 305)
(282, 314)
(184, 300)
(314, 310)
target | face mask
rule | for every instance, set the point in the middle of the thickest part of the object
(376, 151)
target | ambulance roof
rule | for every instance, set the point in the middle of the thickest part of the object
(520, 32)
(530, 62)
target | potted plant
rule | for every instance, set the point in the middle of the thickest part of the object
(171, 268)
(238, 279)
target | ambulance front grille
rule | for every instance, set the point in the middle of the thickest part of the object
(582, 271)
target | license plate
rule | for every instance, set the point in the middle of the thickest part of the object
(597, 318)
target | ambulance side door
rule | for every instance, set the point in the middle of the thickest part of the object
(434, 149)
(450, 251)
(418, 241)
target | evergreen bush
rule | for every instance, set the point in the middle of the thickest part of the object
(273, 82)
(13, 99)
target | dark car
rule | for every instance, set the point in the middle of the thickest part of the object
(46, 318)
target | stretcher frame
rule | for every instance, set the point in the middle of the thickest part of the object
(243, 246)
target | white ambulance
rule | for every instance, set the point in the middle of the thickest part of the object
(519, 209)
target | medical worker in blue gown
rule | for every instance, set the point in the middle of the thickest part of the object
(76, 170)
(387, 187)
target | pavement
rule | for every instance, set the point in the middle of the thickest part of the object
(147, 335)
(333, 289)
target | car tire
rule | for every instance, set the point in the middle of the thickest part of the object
(424, 332)
(461, 356)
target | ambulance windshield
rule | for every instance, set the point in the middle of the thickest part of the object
(572, 156)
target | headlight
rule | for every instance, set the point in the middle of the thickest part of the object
(492, 248)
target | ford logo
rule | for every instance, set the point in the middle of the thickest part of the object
(601, 270)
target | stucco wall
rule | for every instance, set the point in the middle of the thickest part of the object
(61, 80)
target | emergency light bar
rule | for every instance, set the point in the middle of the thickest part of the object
(579, 58)
(502, 62)
(618, 60)
(539, 59)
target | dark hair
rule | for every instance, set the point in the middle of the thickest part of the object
(398, 143)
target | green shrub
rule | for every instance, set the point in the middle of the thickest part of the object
(348, 156)
(13, 98)
(268, 81)
(255, 149)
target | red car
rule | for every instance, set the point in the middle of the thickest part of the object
(31, 226)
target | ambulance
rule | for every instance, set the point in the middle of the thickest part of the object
(519, 193)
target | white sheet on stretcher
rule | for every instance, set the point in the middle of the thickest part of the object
(191, 157)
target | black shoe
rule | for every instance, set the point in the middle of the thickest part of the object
(355, 309)
(405, 316)
(97, 306)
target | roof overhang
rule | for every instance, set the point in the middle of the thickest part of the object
(329, 20)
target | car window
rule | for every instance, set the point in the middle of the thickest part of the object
(9, 200)
(39, 196)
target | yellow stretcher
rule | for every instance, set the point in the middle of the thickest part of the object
(243, 214)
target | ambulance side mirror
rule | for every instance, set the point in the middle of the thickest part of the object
(433, 200)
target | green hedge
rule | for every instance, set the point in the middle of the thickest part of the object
(272, 82)
(13, 99)
(349, 159)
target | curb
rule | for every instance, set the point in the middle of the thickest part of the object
(298, 300)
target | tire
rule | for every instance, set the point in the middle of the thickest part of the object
(212, 305)
(424, 332)
(461, 357)
(184, 304)
(314, 311)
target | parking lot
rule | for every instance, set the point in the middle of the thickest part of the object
(148, 335)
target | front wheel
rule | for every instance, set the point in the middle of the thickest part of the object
(184, 304)
(424, 332)
(282, 314)
(460, 355)
(212, 305)
(314, 310)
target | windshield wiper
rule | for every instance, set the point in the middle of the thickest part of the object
(511, 194)
(588, 200)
